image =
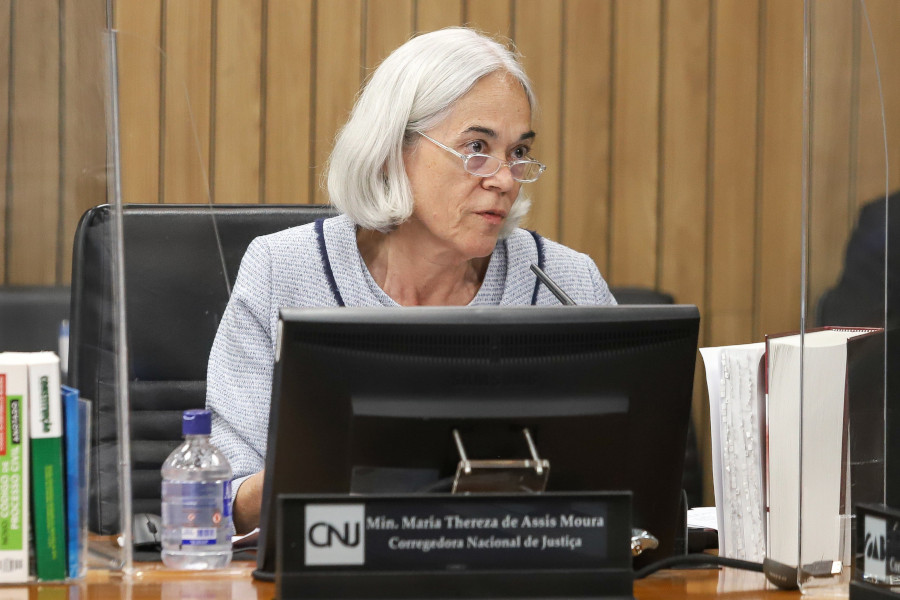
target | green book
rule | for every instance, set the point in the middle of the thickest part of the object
(14, 473)
(48, 505)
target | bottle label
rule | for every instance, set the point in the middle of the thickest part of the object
(199, 511)
(198, 536)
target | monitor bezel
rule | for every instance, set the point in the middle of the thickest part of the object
(287, 475)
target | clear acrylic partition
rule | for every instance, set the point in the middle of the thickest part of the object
(173, 280)
(846, 230)
(54, 170)
(120, 417)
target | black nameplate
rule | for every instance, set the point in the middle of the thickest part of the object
(877, 572)
(517, 545)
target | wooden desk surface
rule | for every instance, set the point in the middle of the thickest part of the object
(236, 583)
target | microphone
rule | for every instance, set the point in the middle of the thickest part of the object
(551, 285)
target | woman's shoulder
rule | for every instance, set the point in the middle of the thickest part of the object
(299, 238)
(523, 241)
(287, 267)
(572, 270)
(298, 234)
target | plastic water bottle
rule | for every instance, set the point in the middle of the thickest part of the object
(196, 500)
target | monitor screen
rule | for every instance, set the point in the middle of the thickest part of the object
(367, 400)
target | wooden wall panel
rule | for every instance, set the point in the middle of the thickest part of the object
(731, 216)
(584, 197)
(186, 110)
(235, 160)
(288, 105)
(83, 121)
(140, 70)
(6, 80)
(389, 23)
(684, 181)
(780, 215)
(33, 206)
(538, 30)
(338, 69)
(832, 210)
(870, 179)
(635, 143)
(493, 17)
(436, 14)
(684, 150)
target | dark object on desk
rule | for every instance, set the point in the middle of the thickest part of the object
(693, 470)
(701, 538)
(175, 294)
(860, 590)
(30, 317)
(698, 561)
(147, 531)
(605, 392)
(876, 552)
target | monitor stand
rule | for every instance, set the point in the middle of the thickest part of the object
(500, 475)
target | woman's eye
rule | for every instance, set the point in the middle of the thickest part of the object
(520, 153)
(475, 147)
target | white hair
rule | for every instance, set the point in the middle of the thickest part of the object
(410, 92)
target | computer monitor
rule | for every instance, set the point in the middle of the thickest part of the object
(604, 391)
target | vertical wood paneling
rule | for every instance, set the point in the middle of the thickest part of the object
(140, 62)
(584, 199)
(84, 120)
(884, 16)
(338, 56)
(831, 211)
(34, 205)
(731, 217)
(237, 135)
(389, 23)
(288, 169)
(685, 113)
(493, 17)
(780, 200)
(437, 14)
(539, 29)
(188, 36)
(683, 176)
(5, 73)
(635, 143)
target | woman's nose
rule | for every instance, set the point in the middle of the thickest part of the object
(502, 179)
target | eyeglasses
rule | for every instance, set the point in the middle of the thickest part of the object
(485, 165)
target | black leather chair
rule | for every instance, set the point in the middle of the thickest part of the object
(640, 295)
(175, 294)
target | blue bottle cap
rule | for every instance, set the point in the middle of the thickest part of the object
(196, 422)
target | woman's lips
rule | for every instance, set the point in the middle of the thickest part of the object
(494, 218)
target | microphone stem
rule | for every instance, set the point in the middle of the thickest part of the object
(551, 285)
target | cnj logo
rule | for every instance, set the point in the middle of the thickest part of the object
(335, 534)
(876, 542)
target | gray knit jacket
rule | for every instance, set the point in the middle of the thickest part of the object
(303, 267)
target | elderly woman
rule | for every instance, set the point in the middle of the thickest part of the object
(428, 174)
